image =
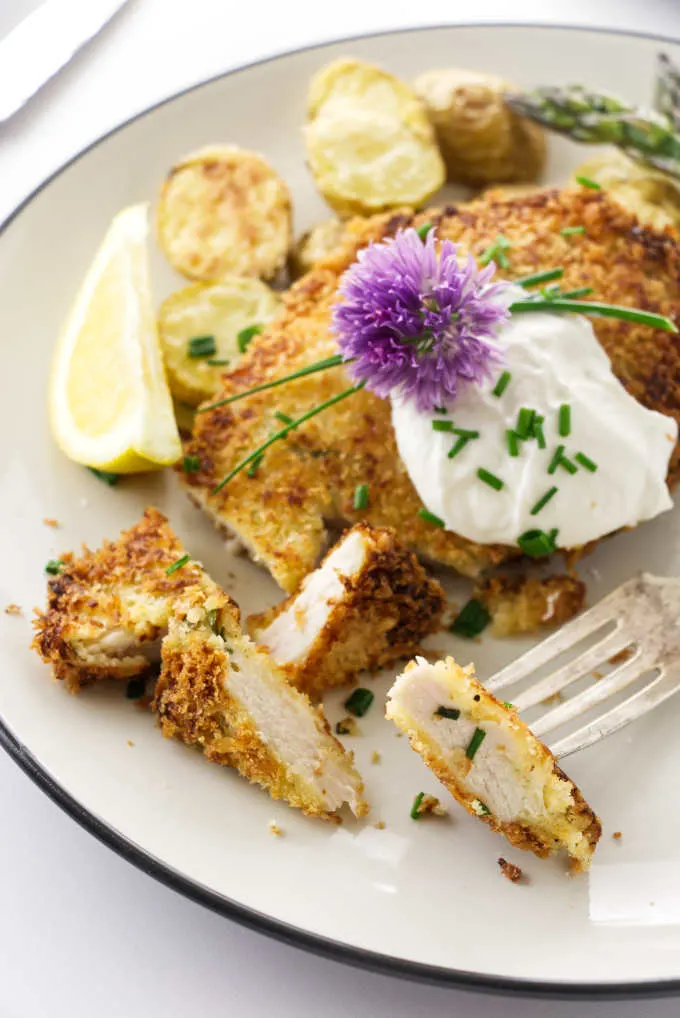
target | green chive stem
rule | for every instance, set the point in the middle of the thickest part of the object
(536, 278)
(458, 447)
(572, 231)
(512, 439)
(361, 496)
(423, 230)
(415, 808)
(564, 424)
(202, 346)
(177, 565)
(586, 462)
(278, 435)
(490, 479)
(502, 384)
(477, 739)
(329, 362)
(599, 310)
(543, 501)
(442, 425)
(588, 182)
(555, 461)
(429, 517)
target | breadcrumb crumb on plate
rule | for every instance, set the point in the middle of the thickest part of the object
(369, 603)
(491, 762)
(219, 692)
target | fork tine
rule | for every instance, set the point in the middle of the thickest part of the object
(636, 706)
(571, 633)
(573, 670)
(596, 693)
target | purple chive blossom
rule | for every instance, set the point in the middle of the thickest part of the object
(419, 323)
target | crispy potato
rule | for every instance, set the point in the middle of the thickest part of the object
(220, 310)
(318, 242)
(481, 139)
(653, 196)
(224, 211)
(369, 142)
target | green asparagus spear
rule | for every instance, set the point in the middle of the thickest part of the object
(601, 119)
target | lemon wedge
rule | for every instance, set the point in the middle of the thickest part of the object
(109, 402)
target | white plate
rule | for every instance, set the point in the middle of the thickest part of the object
(420, 899)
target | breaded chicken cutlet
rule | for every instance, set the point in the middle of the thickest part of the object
(307, 482)
(520, 604)
(108, 609)
(491, 762)
(369, 603)
(218, 691)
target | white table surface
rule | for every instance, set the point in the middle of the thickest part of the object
(83, 933)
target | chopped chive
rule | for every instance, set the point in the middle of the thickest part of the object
(588, 182)
(284, 418)
(582, 291)
(465, 433)
(564, 427)
(442, 425)
(508, 705)
(552, 291)
(135, 689)
(572, 231)
(177, 565)
(54, 567)
(423, 230)
(452, 713)
(478, 737)
(440, 410)
(429, 517)
(567, 465)
(278, 435)
(218, 362)
(212, 620)
(480, 808)
(202, 346)
(254, 466)
(512, 439)
(596, 308)
(191, 464)
(543, 500)
(536, 278)
(536, 543)
(552, 535)
(496, 252)
(415, 808)
(586, 462)
(537, 430)
(460, 444)
(471, 619)
(244, 337)
(361, 496)
(525, 419)
(104, 475)
(555, 461)
(490, 479)
(502, 384)
(359, 702)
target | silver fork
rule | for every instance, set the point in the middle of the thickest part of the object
(645, 613)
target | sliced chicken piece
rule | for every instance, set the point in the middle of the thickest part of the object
(491, 762)
(108, 609)
(219, 691)
(369, 603)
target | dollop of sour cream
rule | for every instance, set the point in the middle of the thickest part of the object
(553, 359)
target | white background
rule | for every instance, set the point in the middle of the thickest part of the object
(82, 933)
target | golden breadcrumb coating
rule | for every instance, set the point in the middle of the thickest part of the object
(377, 612)
(217, 690)
(512, 781)
(309, 480)
(520, 604)
(108, 608)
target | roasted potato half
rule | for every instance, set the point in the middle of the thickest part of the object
(369, 142)
(318, 242)
(650, 194)
(224, 211)
(481, 139)
(218, 311)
